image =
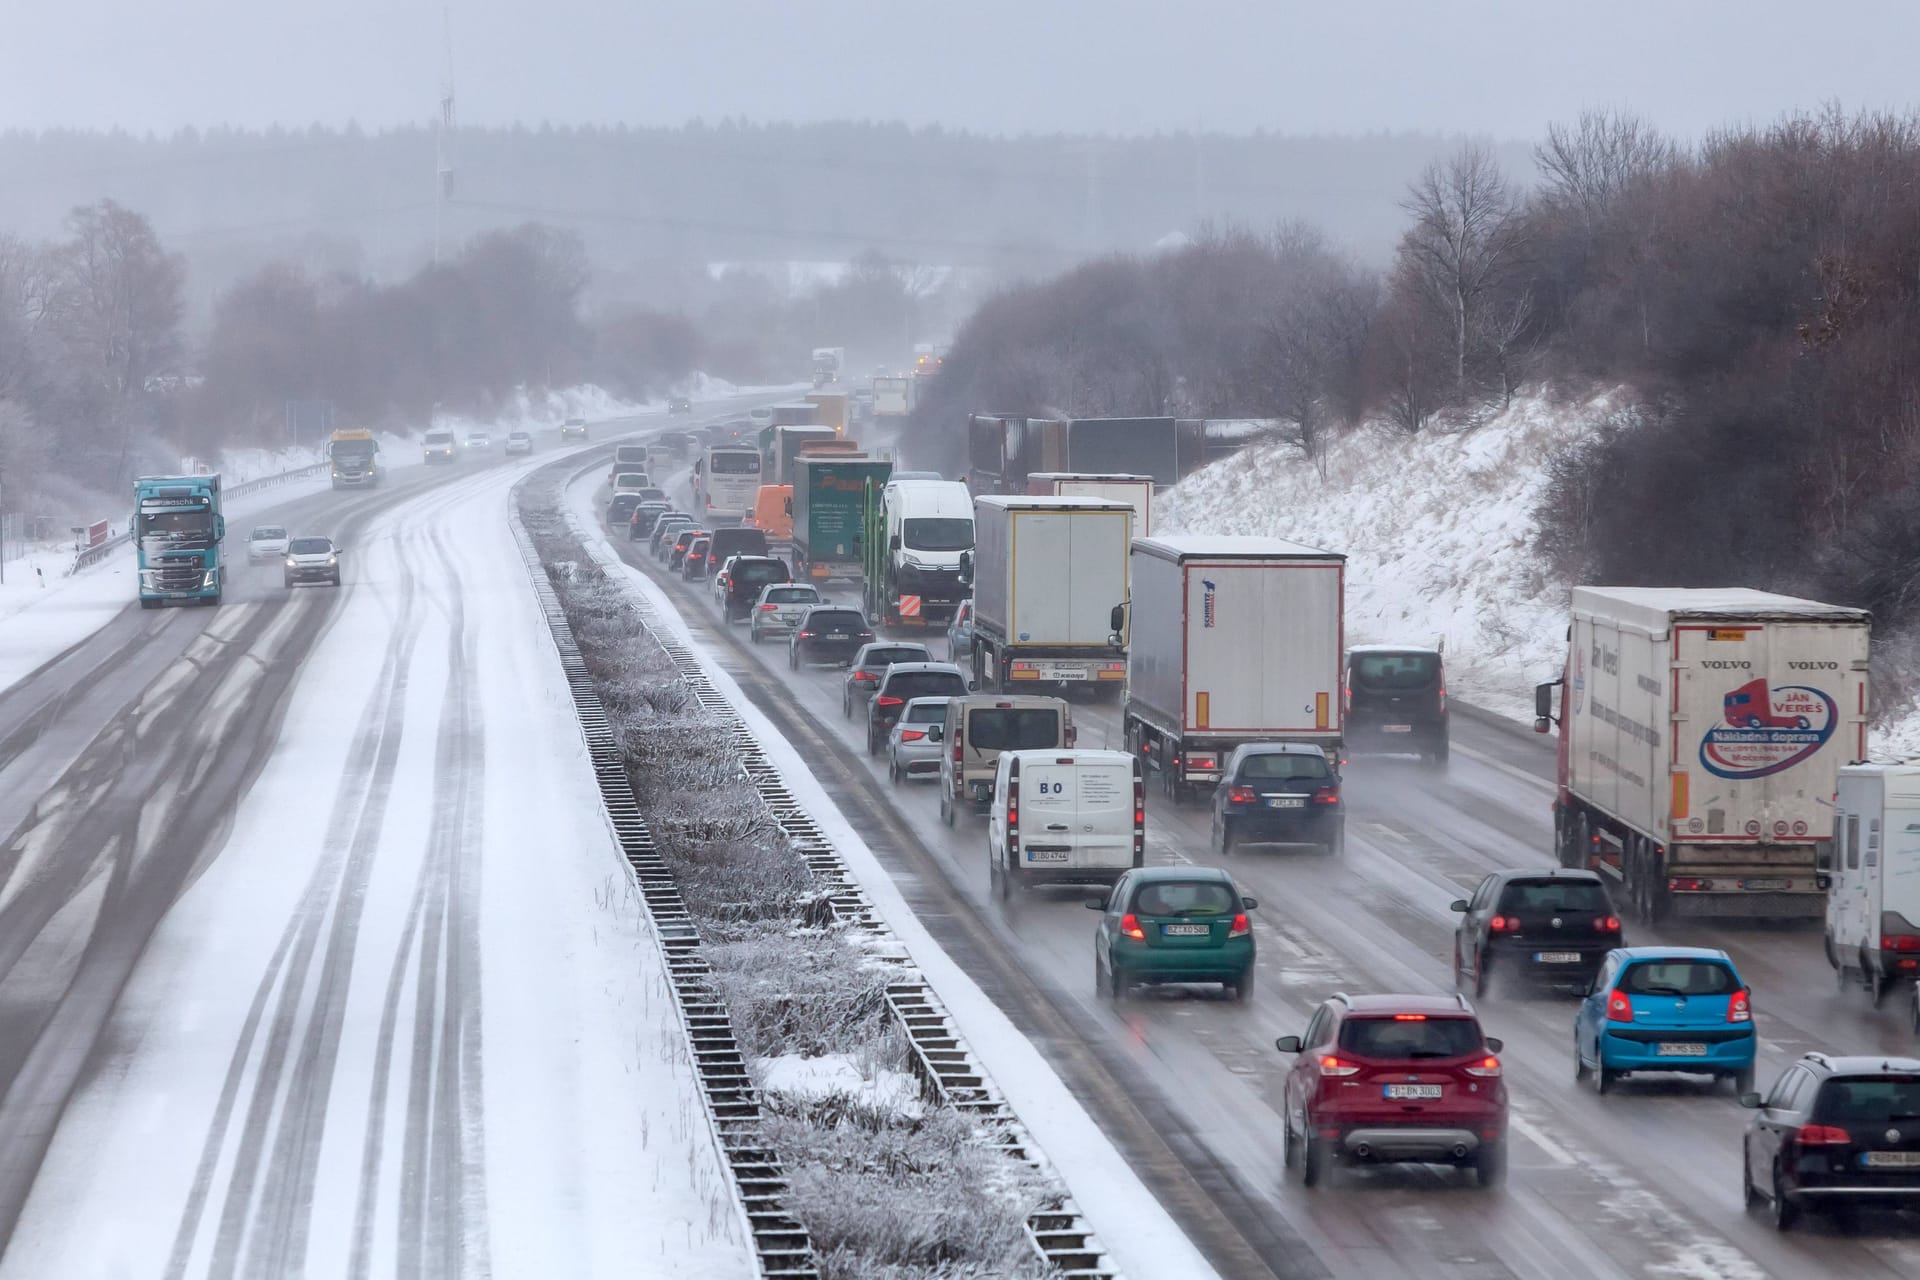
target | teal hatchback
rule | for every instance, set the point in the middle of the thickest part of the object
(1173, 924)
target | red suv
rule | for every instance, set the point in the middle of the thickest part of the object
(1394, 1079)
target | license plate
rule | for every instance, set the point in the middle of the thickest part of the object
(1891, 1159)
(1286, 802)
(1046, 855)
(1680, 1049)
(1069, 673)
(1412, 1092)
(834, 635)
(1396, 728)
(1186, 930)
(1763, 885)
(1557, 957)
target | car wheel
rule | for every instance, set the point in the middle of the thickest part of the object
(1338, 845)
(1480, 964)
(873, 743)
(1749, 1193)
(1742, 1080)
(946, 810)
(1226, 841)
(1003, 880)
(893, 772)
(846, 708)
(1314, 1161)
(1242, 987)
(1785, 1214)
(1491, 1163)
(287, 583)
(1580, 1068)
(753, 634)
(1602, 1076)
(336, 579)
(1289, 1141)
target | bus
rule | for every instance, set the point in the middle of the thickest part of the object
(726, 481)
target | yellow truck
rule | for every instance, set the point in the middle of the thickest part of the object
(830, 409)
(355, 458)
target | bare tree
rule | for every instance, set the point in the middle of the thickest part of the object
(1586, 167)
(1464, 244)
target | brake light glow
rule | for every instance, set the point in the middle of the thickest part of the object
(1130, 925)
(887, 700)
(768, 608)
(1486, 1067)
(1822, 1135)
(1332, 1066)
(1900, 942)
(1327, 795)
(911, 735)
(1241, 926)
(1619, 1008)
(1504, 924)
(1688, 884)
(806, 635)
(1409, 1017)
(1240, 795)
(1606, 924)
(1443, 694)
(1740, 1007)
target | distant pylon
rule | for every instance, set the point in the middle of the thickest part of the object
(443, 136)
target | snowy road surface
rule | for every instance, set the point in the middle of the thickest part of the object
(1642, 1182)
(316, 953)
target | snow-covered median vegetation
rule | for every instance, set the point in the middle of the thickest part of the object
(890, 1182)
(1438, 530)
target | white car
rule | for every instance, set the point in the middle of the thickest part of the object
(631, 482)
(519, 442)
(312, 560)
(266, 542)
(780, 607)
(717, 584)
(479, 440)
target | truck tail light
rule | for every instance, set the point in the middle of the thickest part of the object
(1740, 1007)
(1619, 1008)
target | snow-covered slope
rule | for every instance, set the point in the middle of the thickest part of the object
(1438, 533)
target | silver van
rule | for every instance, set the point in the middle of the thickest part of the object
(979, 727)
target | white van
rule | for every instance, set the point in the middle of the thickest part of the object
(979, 727)
(1065, 817)
(1873, 906)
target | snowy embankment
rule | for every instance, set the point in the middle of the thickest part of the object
(1437, 530)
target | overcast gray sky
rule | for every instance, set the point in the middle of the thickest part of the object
(1504, 67)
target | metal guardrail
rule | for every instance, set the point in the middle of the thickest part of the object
(95, 554)
(782, 1248)
(1058, 1233)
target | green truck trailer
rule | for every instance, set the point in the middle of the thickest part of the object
(829, 515)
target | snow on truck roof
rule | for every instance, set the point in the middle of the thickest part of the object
(1228, 546)
(1652, 607)
(1023, 502)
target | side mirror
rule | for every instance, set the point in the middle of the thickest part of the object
(893, 543)
(936, 733)
(1542, 724)
(966, 568)
(1117, 620)
(1250, 904)
(1458, 904)
(1288, 1044)
(1096, 904)
(1495, 1044)
(219, 528)
(1751, 1101)
(973, 686)
(1543, 699)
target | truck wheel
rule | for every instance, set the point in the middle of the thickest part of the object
(146, 603)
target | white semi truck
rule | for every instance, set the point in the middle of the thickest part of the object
(1047, 576)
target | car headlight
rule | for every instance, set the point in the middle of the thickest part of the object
(290, 562)
(333, 560)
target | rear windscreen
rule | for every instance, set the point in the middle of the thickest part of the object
(842, 621)
(1410, 1037)
(1547, 896)
(1678, 978)
(887, 657)
(743, 541)
(757, 572)
(1185, 898)
(1395, 670)
(734, 464)
(1013, 728)
(792, 595)
(926, 684)
(1281, 767)
(1870, 1100)
(928, 711)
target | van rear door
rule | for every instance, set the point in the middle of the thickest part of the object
(1076, 811)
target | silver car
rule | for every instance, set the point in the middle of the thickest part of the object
(916, 740)
(519, 442)
(780, 607)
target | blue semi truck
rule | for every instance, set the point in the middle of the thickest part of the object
(177, 532)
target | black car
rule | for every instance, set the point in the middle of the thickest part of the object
(903, 682)
(678, 441)
(1554, 927)
(620, 510)
(738, 540)
(1279, 793)
(1835, 1132)
(829, 633)
(868, 665)
(640, 523)
(665, 530)
(682, 542)
(1397, 701)
(747, 578)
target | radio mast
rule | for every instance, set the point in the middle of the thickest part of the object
(443, 136)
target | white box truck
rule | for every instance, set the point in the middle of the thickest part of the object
(1136, 491)
(1235, 639)
(1701, 738)
(1873, 906)
(1047, 576)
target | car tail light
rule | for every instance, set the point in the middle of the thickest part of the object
(1504, 924)
(911, 735)
(1332, 1066)
(1130, 925)
(1327, 795)
(1619, 1008)
(1443, 693)
(1409, 1017)
(1822, 1135)
(1740, 1007)
(1606, 924)
(863, 677)
(1486, 1067)
(1241, 926)
(887, 700)
(768, 608)
(1900, 942)
(806, 635)
(1240, 795)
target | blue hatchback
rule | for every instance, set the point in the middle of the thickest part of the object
(1679, 1009)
